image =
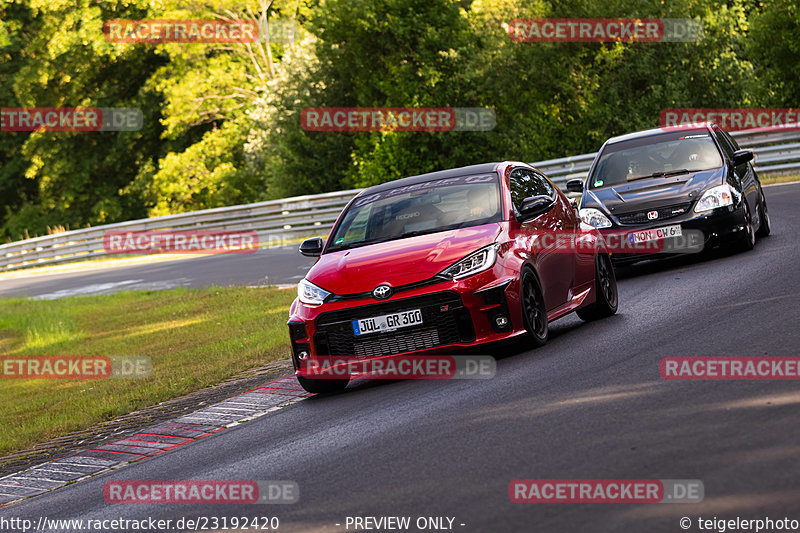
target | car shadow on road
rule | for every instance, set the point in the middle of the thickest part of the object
(655, 266)
(518, 346)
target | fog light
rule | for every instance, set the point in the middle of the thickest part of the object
(302, 356)
(501, 321)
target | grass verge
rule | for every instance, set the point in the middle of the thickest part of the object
(779, 178)
(195, 338)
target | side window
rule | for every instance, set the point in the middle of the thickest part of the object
(525, 183)
(724, 143)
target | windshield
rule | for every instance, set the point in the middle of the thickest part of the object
(664, 155)
(418, 209)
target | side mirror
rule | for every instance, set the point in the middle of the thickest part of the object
(536, 205)
(740, 157)
(575, 185)
(312, 247)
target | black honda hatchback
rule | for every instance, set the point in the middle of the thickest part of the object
(690, 187)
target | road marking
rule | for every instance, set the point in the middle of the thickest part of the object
(115, 286)
(762, 300)
(784, 183)
(152, 441)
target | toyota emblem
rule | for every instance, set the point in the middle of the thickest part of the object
(652, 215)
(381, 292)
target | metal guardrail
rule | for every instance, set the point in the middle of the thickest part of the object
(277, 221)
(274, 221)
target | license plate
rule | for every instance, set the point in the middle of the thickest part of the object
(390, 322)
(655, 234)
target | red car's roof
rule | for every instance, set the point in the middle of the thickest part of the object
(483, 168)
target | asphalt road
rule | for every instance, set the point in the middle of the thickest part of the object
(590, 404)
(269, 266)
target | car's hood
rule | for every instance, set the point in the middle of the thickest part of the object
(398, 262)
(655, 192)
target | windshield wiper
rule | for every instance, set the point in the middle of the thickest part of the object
(357, 244)
(407, 234)
(416, 233)
(449, 227)
(675, 172)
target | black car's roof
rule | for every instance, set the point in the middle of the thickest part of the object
(700, 126)
(483, 168)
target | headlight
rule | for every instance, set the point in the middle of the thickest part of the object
(714, 197)
(479, 261)
(308, 293)
(595, 218)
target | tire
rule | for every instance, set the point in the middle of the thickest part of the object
(607, 299)
(765, 228)
(747, 241)
(322, 386)
(534, 312)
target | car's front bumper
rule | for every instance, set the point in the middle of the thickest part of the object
(457, 317)
(701, 231)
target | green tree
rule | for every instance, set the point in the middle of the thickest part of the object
(56, 56)
(775, 50)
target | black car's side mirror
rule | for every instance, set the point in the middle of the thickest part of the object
(740, 157)
(312, 247)
(536, 205)
(575, 185)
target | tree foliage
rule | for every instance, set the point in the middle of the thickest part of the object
(222, 122)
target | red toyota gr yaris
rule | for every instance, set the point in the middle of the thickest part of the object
(442, 262)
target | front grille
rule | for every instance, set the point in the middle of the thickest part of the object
(445, 320)
(398, 343)
(664, 213)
